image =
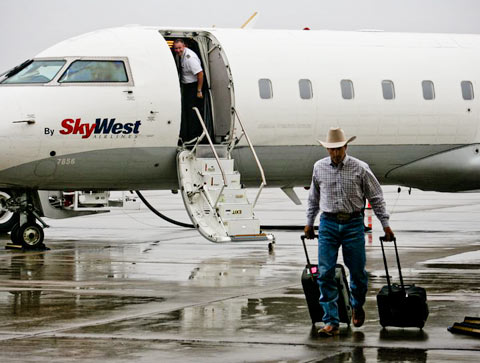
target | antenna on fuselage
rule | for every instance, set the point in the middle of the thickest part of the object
(250, 23)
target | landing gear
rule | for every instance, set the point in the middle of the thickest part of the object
(7, 218)
(26, 233)
(31, 236)
(14, 234)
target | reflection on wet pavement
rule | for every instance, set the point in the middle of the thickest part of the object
(167, 294)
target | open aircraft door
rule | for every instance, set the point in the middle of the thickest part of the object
(218, 86)
(221, 92)
(214, 197)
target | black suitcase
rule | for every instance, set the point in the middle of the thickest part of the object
(401, 305)
(312, 293)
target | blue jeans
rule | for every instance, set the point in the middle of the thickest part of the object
(351, 236)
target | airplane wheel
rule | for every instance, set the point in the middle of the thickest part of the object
(7, 219)
(14, 234)
(31, 236)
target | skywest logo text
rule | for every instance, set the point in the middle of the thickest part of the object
(100, 127)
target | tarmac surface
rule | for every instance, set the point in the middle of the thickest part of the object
(127, 286)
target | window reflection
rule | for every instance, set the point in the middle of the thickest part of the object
(38, 71)
(95, 71)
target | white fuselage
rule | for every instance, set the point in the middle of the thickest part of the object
(408, 140)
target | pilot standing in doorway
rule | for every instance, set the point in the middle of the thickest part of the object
(191, 79)
(339, 185)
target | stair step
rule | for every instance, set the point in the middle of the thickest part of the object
(216, 180)
(231, 196)
(250, 237)
(210, 166)
(230, 211)
(205, 151)
(242, 226)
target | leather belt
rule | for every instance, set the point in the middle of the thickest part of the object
(342, 217)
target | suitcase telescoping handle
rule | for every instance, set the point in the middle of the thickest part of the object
(398, 264)
(305, 247)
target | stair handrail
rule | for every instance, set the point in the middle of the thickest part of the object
(205, 133)
(259, 165)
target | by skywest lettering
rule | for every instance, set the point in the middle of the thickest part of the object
(105, 126)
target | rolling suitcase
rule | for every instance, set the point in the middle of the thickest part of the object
(312, 293)
(401, 305)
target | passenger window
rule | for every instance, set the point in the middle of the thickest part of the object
(95, 71)
(388, 90)
(305, 87)
(428, 90)
(347, 89)
(265, 88)
(467, 90)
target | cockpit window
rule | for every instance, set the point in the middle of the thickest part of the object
(95, 71)
(37, 71)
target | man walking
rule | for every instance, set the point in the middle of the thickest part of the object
(339, 185)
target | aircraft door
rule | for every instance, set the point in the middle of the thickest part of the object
(220, 90)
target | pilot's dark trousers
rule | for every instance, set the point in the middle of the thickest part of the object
(190, 126)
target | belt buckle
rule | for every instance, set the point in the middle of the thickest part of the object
(343, 217)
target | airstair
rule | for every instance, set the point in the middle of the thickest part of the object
(213, 194)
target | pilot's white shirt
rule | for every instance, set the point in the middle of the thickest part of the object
(191, 66)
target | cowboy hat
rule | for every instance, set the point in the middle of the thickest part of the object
(336, 138)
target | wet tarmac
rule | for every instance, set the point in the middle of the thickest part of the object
(127, 286)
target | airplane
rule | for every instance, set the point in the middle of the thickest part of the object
(102, 111)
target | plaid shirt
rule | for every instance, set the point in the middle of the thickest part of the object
(343, 188)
